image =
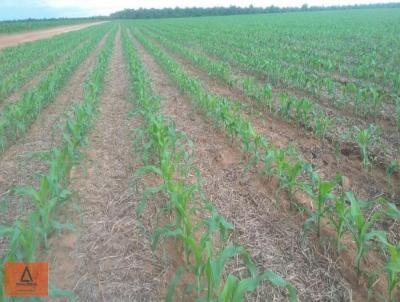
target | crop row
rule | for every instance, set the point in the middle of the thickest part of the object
(321, 47)
(344, 212)
(203, 257)
(302, 111)
(15, 80)
(250, 50)
(367, 100)
(17, 117)
(12, 59)
(26, 236)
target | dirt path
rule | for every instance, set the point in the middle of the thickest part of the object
(15, 39)
(16, 166)
(108, 261)
(367, 184)
(271, 236)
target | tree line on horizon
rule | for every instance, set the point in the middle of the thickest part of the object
(177, 12)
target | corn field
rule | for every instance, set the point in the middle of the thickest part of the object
(235, 158)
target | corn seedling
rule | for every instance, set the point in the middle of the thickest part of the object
(321, 124)
(285, 106)
(267, 96)
(361, 228)
(303, 109)
(364, 140)
(338, 217)
(321, 200)
(393, 270)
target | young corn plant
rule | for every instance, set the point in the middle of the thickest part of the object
(339, 214)
(393, 270)
(267, 96)
(321, 199)
(248, 86)
(321, 124)
(303, 109)
(235, 289)
(361, 228)
(285, 106)
(376, 100)
(364, 140)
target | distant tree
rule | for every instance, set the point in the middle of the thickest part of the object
(177, 12)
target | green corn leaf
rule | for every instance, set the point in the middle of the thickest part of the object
(393, 211)
(244, 286)
(277, 280)
(379, 235)
(228, 291)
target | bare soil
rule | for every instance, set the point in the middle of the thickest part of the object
(15, 39)
(272, 236)
(108, 258)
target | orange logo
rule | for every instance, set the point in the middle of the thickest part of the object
(26, 279)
